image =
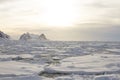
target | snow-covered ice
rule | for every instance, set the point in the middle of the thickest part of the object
(87, 65)
(58, 60)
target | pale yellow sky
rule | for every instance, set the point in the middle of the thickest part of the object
(60, 19)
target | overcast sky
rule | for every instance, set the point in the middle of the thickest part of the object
(62, 19)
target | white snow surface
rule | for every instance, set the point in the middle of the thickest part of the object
(58, 60)
(18, 68)
(88, 64)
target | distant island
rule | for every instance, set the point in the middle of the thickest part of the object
(28, 36)
(25, 36)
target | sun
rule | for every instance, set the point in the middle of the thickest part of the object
(59, 13)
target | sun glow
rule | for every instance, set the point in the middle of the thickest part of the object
(46, 13)
(59, 13)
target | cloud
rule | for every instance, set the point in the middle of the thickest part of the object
(104, 11)
(99, 19)
(104, 3)
(97, 4)
(6, 1)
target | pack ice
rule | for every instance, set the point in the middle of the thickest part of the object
(26, 59)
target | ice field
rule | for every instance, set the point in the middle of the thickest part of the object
(59, 60)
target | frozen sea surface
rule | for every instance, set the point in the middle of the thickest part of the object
(58, 60)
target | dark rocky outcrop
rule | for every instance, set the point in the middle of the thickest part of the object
(4, 36)
(28, 36)
(25, 36)
(42, 37)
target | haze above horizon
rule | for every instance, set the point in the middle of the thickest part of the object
(62, 19)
